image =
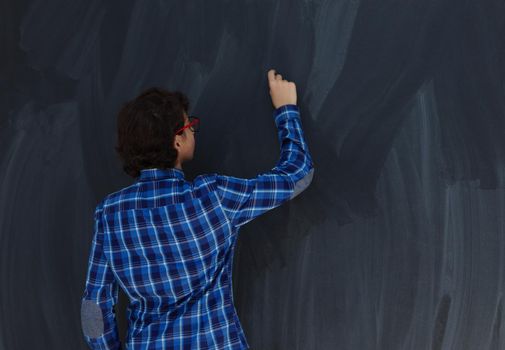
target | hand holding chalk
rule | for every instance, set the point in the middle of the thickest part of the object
(282, 91)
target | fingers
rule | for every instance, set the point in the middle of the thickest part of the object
(272, 76)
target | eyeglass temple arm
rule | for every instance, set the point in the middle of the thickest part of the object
(195, 121)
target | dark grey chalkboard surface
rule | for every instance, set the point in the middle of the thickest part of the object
(398, 243)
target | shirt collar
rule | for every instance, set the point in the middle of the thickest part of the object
(159, 173)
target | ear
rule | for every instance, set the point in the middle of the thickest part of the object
(177, 141)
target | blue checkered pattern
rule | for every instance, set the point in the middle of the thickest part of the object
(169, 243)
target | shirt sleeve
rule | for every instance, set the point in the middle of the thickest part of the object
(98, 320)
(245, 199)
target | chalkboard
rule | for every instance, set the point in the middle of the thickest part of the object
(398, 243)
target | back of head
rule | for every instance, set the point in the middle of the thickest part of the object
(145, 129)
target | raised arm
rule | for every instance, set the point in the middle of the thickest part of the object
(245, 199)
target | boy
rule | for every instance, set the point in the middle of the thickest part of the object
(169, 243)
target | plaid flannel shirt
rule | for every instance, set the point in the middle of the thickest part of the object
(169, 243)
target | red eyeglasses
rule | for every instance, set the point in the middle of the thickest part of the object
(194, 125)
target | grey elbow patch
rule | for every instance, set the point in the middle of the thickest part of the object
(91, 319)
(303, 183)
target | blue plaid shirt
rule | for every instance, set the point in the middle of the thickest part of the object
(169, 243)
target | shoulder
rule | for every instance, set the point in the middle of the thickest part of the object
(215, 182)
(114, 199)
(205, 181)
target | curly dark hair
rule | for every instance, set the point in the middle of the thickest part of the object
(145, 128)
